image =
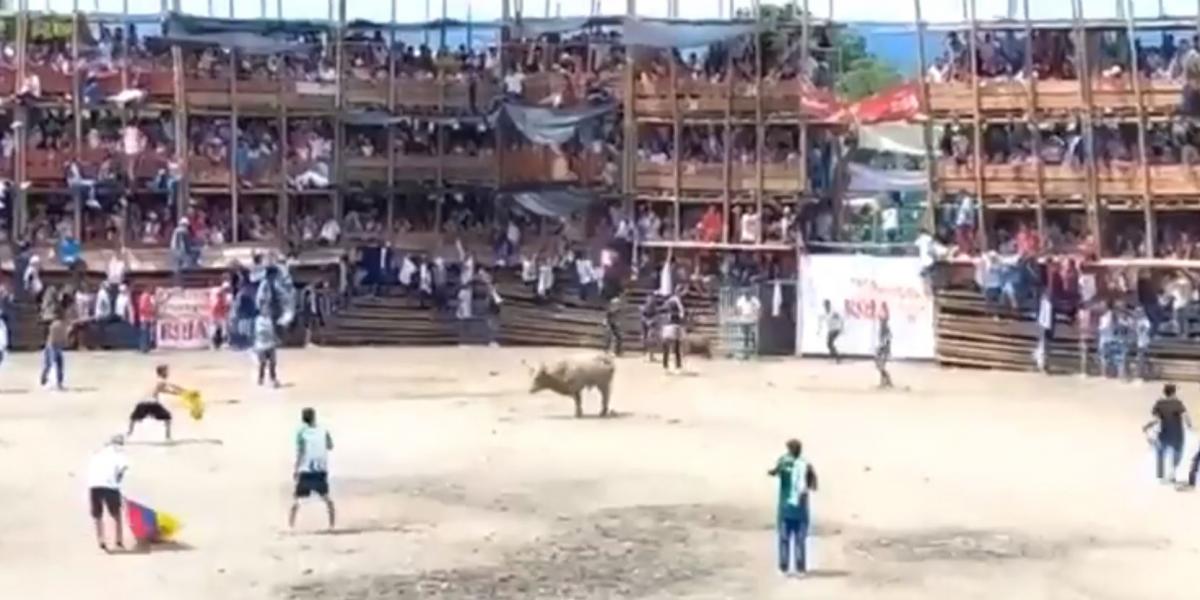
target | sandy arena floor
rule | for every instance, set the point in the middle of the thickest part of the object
(454, 483)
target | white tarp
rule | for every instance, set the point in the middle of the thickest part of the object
(870, 180)
(859, 286)
(898, 138)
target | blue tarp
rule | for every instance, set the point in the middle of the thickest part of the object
(554, 126)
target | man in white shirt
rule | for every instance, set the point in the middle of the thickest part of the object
(1045, 330)
(311, 469)
(331, 231)
(105, 472)
(831, 324)
(749, 308)
(123, 309)
(117, 266)
(889, 222)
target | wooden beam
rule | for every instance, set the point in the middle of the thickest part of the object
(973, 47)
(1031, 121)
(1143, 155)
(932, 195)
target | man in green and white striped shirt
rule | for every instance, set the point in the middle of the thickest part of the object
(796, 479)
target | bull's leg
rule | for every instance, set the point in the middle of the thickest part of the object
(604, 389)
(579, 404)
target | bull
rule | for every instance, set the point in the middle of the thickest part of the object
(570, 377)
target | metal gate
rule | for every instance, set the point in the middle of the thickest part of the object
(773, 333)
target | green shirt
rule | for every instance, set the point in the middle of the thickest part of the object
(796, 478)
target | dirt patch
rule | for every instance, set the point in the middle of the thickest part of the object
(959, 545)
(614, 553)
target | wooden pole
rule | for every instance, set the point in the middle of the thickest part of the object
(77, 108)
(339, 133)
(1143, 155)
(1089, 138)
(677, 123)
(391, 137)
(980, 194)
(179, 88)
(234, 184)
(20, 168)
(805, 52)
(760, 127)
(929, 219)
(1032, 122)
(727, 170)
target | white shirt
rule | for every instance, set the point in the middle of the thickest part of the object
(3, 335)
(464, 303)
(529, 270)
(965, 216)
(1046, 314)
(313, 443)
(331, 231)
(926, 249)
(890, 218)
(103, 305)
(107, 468)
(116, 270)
(514, 83)
(750, 222)
(831, 322)
(123, 307)
(33, 279)
(748, 307)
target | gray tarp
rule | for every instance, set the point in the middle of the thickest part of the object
(379, 119)
(246, 43)
(678, 34)
(554, 126)
(554, 203)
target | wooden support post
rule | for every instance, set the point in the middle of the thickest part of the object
(179, 88)
(1083, 62)
(1032, 122)
(391, 137)
(20, 167)
(234, 185)
(980, 192)
(339, 134)
(283, 212)
(77, 109)
(805, 53)
(677, 121)
(760, 127)
(1143, 155)
(932, 197)
(727, 170)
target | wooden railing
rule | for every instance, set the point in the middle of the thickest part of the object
(1118, 179)
(784, 177)
(1055, 95)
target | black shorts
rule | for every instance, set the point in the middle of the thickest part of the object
(315, 482)
(104, 498)
(153, 410)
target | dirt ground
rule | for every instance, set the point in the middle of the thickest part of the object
(453, 482)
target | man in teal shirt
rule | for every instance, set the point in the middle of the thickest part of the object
(796, 480)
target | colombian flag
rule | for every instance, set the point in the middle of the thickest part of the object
(149, 525)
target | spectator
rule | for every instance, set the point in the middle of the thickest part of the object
(123, 307)
(147, 314)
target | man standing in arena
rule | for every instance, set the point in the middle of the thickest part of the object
(672, 330)
(883, 347)
(105, 472)
(1170, 416)
(52, 353)
(612, 325)
(796, 479)
(151, 406)
(311, 469)
(832, 324)
(649, 319)
(266, 340)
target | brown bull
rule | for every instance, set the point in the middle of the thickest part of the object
(570, 377)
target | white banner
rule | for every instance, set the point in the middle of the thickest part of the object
(858, 287)
(183, 318)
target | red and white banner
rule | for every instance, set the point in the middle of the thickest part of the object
(183, 318)
(859, 287)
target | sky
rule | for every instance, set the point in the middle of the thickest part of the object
(873, 11)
